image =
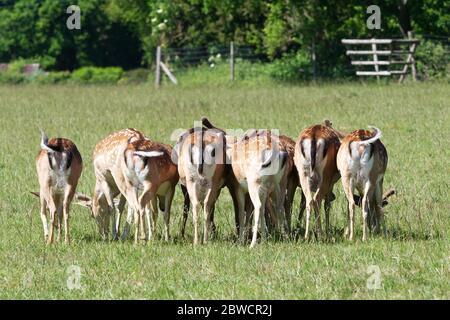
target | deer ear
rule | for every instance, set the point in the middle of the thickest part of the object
(83, 200)
(35, 193)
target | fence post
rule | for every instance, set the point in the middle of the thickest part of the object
(412, 48)
(232, 61)
(375, 59)
(158, 67)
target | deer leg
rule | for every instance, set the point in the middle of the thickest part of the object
(208, 211)
(66, 221)
(167, 206)
(43, 213)
(301, 209)
(348, 189)
(52, 209)
(120, 208)
(258, 201)
(308, 203)
(240, 207)
(128, 222)
(379, 208)
(327, 207)
(186, 206)
(289, 200)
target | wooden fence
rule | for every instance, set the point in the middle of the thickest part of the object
(384, 55)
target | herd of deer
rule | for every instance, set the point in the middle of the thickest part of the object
(261, 170)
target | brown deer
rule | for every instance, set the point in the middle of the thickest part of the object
(107, 154)
(144, 172)
(202, 170)
(259, 166)
(362, 161)
(229, 178)
(59, 165)
(289, 182)
(315, 159)
(292, 180)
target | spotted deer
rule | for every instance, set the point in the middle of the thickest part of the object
(202, 169)
(229, 179)
(145, 172)
(315, 158)
(362, 161)
(292, 180)
(289, 182)
(103, 206)
(59, 165)
(259, 166)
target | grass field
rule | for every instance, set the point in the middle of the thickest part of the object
(414, 259)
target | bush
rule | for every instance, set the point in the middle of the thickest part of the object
(292, 67)
(432, 60)
(52, 77)
(12, 78)
(14, 74)
(91, 75)
(135, 76)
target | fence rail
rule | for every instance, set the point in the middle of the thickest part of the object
(394, 49)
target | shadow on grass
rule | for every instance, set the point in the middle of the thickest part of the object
(336, 236)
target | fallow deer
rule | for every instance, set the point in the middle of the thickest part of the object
(202, 169)
(259, 166)
(292, 180)
(229, 178)
(362, 161)
(289, 182)
(107, 154)
(59, 165)
(315, 159)
(146, 167)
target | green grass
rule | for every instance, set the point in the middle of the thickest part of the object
(414, 259)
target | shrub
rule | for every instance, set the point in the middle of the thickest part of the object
(291, 67)
(14, 74)
(432, 60)
(12, 78)
(90, 75)
(135, 76)
(52, 77)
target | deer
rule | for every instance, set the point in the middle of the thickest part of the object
(229, 179)
(59, 166)
(144, 172)
(315, 159)
(259, 166)
(362, 161)
(289, 182)
(102, 205)
(202, 170)
(292, 181)
(357, 198)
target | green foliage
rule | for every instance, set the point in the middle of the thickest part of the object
(14, 74)
(53, 77)
(134, 76)
(125, 33)
(92, 75)
(292, 67)
(432, 60)
(31, 29)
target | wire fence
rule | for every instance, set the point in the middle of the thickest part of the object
(189, 57)
(328, 63)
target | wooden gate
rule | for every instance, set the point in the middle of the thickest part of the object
(387, 57)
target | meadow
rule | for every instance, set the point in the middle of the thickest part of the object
(413, 260)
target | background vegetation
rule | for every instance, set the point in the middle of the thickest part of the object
(124, 33)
